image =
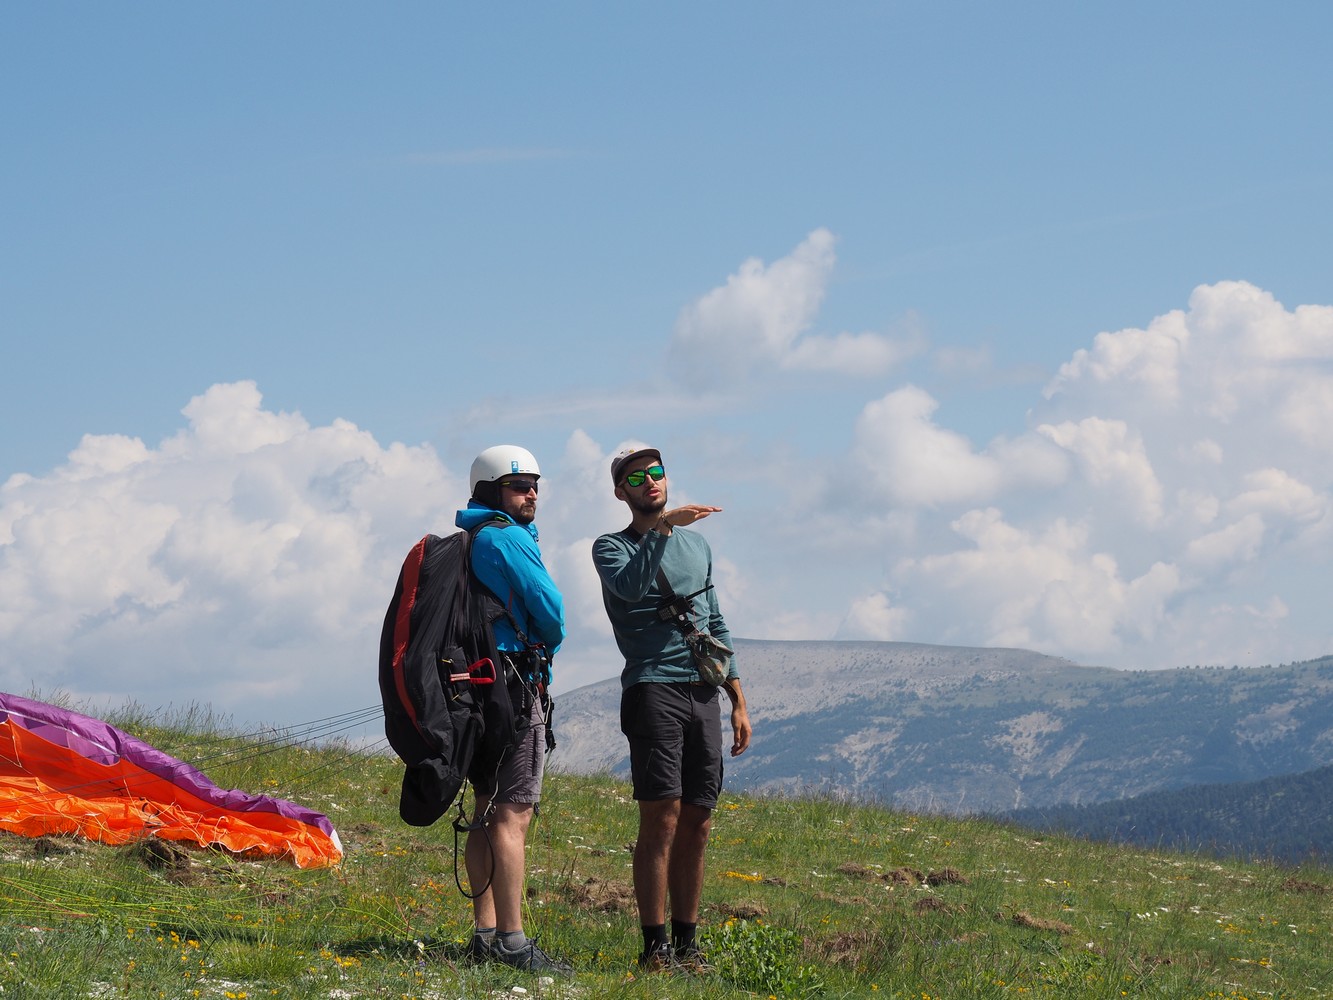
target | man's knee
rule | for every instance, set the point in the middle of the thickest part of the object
(659, 812)
(512, 815)
(692, 815)
(657, 822)
(695, 822)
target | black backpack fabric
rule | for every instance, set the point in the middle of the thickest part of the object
(442, 680)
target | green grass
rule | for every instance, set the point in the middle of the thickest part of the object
(803, 898)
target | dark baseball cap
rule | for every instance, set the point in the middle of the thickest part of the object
(623, 458)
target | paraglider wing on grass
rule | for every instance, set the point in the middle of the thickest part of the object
(62, 772)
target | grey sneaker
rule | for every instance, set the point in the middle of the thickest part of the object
(529, 958)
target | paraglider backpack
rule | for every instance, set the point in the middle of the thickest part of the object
(448, 705)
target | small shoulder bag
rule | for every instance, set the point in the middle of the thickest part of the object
(711, 658)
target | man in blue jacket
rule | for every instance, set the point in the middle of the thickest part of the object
(668, 710)
(507, 560)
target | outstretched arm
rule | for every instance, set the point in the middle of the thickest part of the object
(679, 517)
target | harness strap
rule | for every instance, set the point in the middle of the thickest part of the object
(681, 616)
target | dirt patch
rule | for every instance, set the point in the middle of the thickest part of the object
(1023, 919)
(159, 855)
(1145, 965)
(946, 876)
(167, 859)
(48, 847)
(904, 876)
(930, 904)
(603, 895)
(1301, 885)
(741, 911)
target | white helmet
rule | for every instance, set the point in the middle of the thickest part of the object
(502, 460)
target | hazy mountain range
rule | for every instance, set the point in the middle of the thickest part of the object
(973, 730)
(1288, 819)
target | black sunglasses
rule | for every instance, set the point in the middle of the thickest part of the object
(520, 485)
(637, 477)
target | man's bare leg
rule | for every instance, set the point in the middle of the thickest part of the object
(494, 858)
(685, 870)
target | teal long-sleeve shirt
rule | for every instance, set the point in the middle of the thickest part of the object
(654, 650)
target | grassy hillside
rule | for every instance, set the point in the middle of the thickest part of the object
(804, 897)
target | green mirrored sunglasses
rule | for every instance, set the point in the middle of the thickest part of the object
(637, 477)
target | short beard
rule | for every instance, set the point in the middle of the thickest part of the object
(642, 506)
(516, 511)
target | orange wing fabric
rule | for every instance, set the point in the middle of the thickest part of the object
(61, 772)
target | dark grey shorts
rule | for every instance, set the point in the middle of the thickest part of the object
(675, 742)
(520, 775)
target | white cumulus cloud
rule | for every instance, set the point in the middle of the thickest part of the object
(762, 317)
(1045, 589)
(874, 617)
(1188, 508)
(1112, 458)
(913, 460)
(242, 563)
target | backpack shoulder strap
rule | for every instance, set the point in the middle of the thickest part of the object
(495, 522)
(492, 522)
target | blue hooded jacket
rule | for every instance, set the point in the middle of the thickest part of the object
(509, 563)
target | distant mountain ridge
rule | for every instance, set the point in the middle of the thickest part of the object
(1287, 819)
(978, 730)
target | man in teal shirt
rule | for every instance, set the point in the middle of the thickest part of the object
(667, 711)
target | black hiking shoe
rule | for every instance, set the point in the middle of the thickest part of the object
(692, 960)
(529, 958)
(660, 959)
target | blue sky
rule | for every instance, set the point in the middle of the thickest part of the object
(271, 274)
